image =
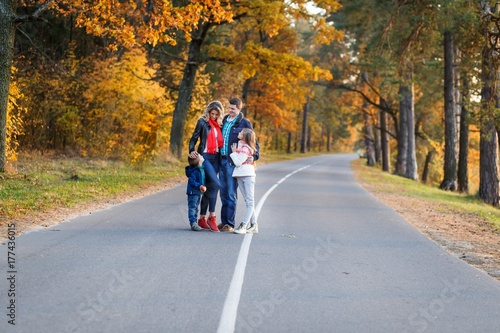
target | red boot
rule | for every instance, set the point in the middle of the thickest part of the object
(202, 222)
(212, 223)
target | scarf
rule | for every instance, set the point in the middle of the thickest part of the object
(213, 141)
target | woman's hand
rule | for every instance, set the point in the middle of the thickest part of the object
(193, 154)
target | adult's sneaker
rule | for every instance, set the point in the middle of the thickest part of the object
(242, 229)
(253, 228)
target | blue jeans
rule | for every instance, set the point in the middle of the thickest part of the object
(193, 204)
(209, 198)
(228, 195)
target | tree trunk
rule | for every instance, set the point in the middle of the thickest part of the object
(244, 95)
(463, 155)
(384, 143)
(328, 139)
(488, 164)
(186, 89)
(309, 137)
(407, 154)
(411, 164)
(7, 32)
(376, 143)
(403, 131)
(450, 130)
(488, 143)
(428, 160)
(289, 143)
(370, 150)
(303, 139)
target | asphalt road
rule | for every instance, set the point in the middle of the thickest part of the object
(329, 258)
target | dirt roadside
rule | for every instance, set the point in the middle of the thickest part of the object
(468, 237)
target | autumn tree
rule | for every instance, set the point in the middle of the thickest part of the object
(489, 182)
(264, 56)
(467, 34)
(9, 18)
(458, 26)
(7, 12)
(121, 23)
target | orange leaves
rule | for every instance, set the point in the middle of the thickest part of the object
(135, 22)
(326, 33)
(126, 108)
(264, 52)
(269, 65)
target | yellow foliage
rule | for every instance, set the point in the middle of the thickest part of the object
(133, 23)
(326, 33)
(14, 120)
(282, 81)
(128, 108)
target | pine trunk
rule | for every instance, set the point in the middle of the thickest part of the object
(428, 159)
(488, 164)
(403, 132)
(463, 155)
(376, 144)
(328, 139)
(7, 31)
(450, 130)
(369, 147)
(289, 143)
(303, 139)
(411, 164)
(488, 143)
(384, 142)
(244, 95)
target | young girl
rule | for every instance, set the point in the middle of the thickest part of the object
(244, 173)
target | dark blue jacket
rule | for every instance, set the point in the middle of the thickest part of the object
(239, 124)
(196, 178)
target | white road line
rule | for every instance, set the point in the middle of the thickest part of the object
(227, 321)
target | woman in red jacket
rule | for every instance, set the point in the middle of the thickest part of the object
(208, 133)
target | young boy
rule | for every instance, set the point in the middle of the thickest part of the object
(195, 188)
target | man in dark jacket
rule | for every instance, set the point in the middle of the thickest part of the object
(232, 124)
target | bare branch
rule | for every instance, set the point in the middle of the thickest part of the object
(34, 16)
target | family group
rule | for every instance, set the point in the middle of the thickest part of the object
(223, 162)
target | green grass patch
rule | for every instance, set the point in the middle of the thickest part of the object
(444, 201)
(41, 184)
